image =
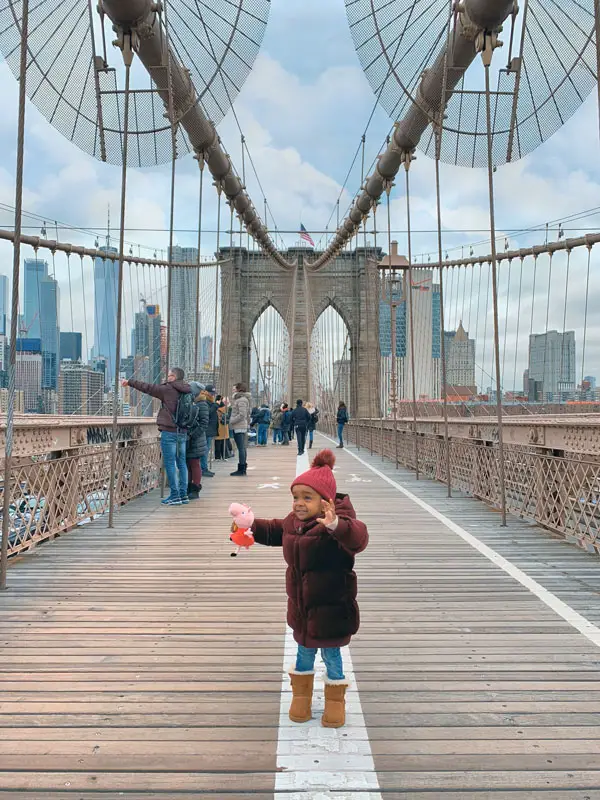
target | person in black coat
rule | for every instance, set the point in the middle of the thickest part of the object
(286, 424)
(196, 443)
(213, 427)
(300, 421)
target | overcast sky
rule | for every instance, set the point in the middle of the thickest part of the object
(303, 110)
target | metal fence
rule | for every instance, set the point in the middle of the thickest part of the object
(559, 492)
(53, 495)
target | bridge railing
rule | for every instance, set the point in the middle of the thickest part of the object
(557, 489)
(54, 490)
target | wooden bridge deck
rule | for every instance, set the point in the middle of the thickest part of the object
(145, 662)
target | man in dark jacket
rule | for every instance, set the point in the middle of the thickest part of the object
(172, 440)
(300, 421)
(196, 443)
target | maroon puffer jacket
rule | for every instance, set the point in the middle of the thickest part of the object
(320, 579)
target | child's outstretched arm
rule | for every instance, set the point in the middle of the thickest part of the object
(268, 532)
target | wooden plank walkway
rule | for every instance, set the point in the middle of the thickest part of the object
(145, 662)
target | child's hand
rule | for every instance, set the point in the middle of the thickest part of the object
(328, 511)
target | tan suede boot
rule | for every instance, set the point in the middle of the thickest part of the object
(302, 690)
(334, 715)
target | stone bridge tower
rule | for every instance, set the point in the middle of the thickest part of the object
(350, 284)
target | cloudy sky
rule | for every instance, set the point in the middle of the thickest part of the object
(303, 110)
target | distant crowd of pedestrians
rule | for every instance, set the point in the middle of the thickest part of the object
(193, 418)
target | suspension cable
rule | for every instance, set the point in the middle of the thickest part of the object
(487, 52)
(127, 50)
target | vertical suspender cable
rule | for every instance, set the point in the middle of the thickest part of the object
(597, 30)
(442, 340)
(382, 381)
(127, 58)
(585, 315)
(171, 112)
(14, 321)
(196, 341)
(564, 328)
(487, 52)
(407, 162)
(372, 395)
(223, 388)
(438, 151)
(518, 323)
(393, 304)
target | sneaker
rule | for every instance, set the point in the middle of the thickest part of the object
(185, 500)
(208, 474)
(171, 501)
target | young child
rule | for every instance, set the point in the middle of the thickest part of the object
(320, 539)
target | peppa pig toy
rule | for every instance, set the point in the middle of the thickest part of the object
(243, 519)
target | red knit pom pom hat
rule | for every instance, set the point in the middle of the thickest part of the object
(320, 476)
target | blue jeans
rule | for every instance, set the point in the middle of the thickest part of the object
(332, 657)
(204, 458)
(341, 432)
(241, 442)
(277, 435)
(173, 453)
(263, 432)
(311, 436)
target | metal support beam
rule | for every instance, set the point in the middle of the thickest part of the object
(450, 66)
(142, 17)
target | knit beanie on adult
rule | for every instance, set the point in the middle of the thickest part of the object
(320, 476)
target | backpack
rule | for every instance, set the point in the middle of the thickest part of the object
(186, 415)
(266, 416)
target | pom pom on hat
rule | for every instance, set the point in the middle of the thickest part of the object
(320, 476)
(325, 458)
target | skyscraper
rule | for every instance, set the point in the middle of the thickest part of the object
(3, 305)
(426, 345)
(551, 365)
(41, 317)
(460, 360)
(81, 389)
(106, 274)
(50, 335)
(184, 307)
(28, 372)
(146, 340)
(35, 272)
(70, 346)
(206, 352)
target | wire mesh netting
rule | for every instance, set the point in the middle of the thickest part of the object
(542, 75)
(72, 83)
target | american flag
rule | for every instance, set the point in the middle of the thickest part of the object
(304, 234)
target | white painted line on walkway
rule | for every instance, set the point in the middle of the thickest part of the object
(316, 763)
(576, 620)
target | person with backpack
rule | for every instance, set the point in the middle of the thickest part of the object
(313, 422)
(197, 446)
(276, 418)
(263, 420)
(300, 421)
(342, 420)
(286, 424)
(176, 415)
